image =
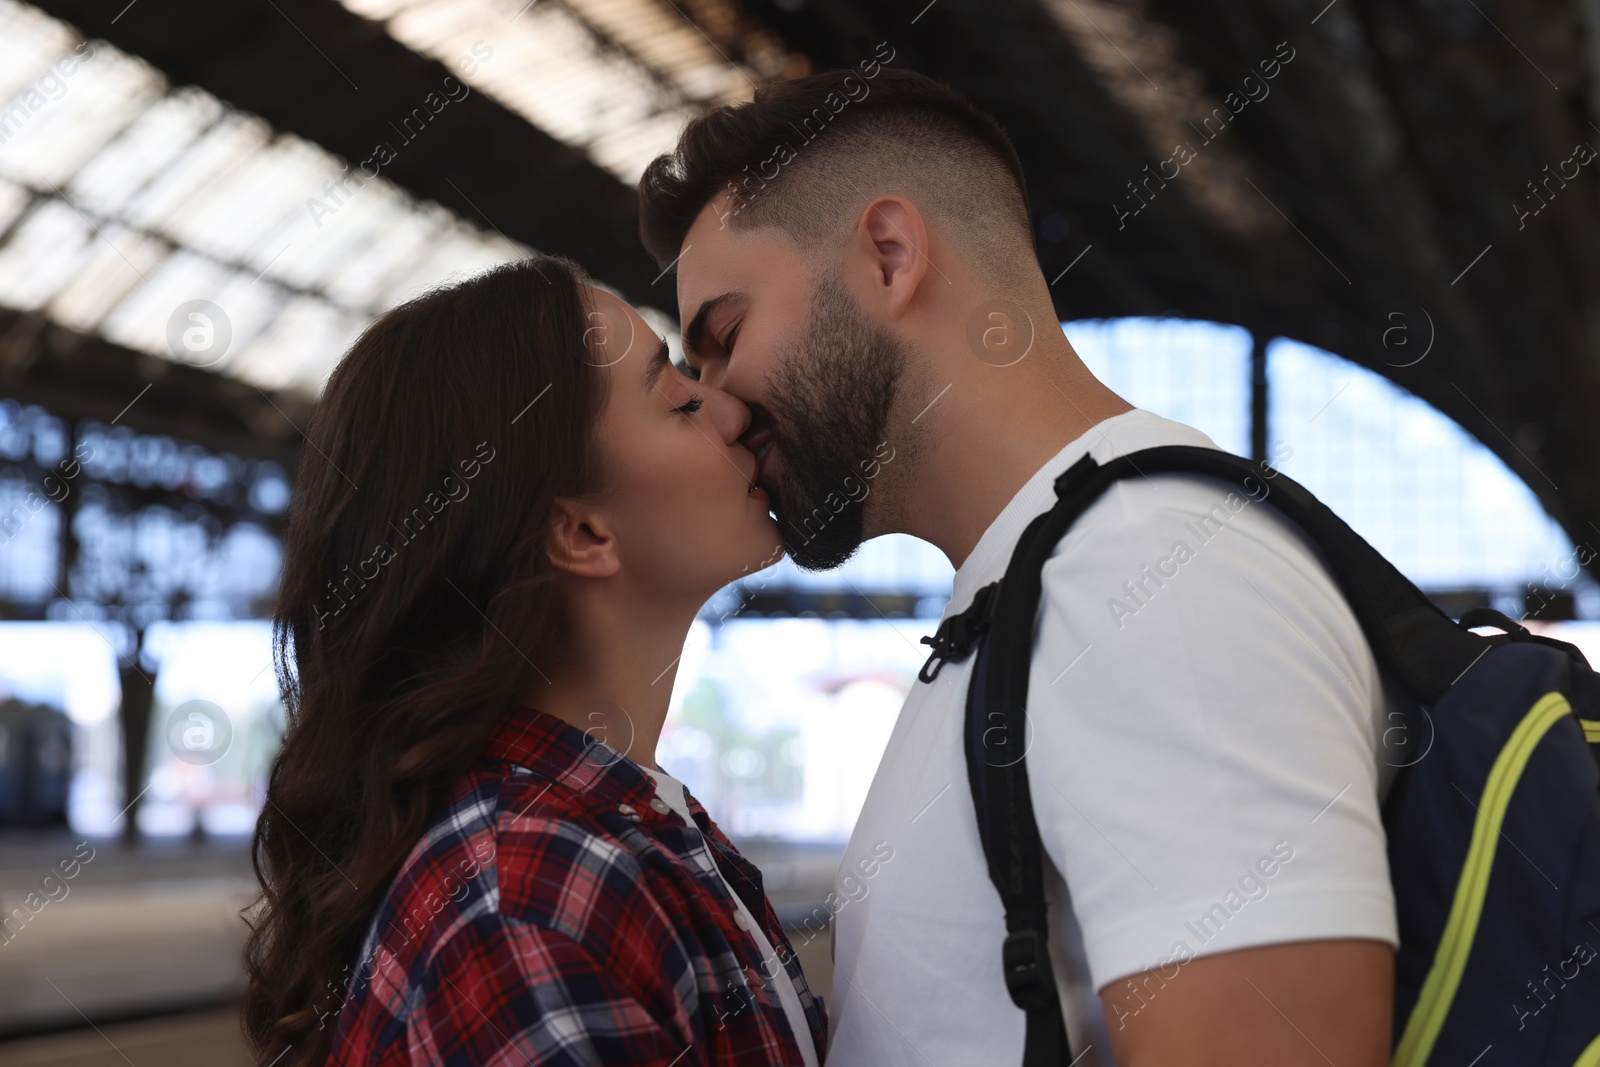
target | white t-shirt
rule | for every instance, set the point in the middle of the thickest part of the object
(670, 790)
(1202, 763)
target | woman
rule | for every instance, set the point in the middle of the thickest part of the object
(511, 508)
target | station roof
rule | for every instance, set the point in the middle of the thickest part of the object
(1302, 170)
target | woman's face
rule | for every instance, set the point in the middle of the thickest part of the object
(681, 500)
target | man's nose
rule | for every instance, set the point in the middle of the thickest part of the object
(712, 371)
(729, 414)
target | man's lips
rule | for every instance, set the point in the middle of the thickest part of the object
(760, 445)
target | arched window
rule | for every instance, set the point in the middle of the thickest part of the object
(1422, 490)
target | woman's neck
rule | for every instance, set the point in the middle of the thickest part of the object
(612, 678)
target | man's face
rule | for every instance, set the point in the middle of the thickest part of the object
(788, 338)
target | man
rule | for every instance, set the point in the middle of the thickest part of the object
(855, 261)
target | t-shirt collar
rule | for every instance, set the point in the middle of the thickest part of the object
(987, 562)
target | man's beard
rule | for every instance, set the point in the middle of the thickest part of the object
(831, 398)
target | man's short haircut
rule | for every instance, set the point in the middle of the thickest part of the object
(807, 155)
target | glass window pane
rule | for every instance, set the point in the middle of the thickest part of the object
(1422, 490)
(1192, 372)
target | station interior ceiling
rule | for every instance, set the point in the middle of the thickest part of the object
(1400, 156)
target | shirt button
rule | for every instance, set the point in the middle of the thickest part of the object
(626, 809)
(659, 805)
(740, 921)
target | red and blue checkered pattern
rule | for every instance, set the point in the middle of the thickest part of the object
(552, 916)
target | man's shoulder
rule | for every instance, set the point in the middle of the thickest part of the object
(1186, 547)
(1162, 510)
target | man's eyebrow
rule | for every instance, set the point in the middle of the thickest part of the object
(657, 365)
(694, 334)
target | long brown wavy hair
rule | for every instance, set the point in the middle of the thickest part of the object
(414, 598)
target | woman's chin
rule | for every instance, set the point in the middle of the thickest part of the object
(750, 551)
(777, 551)
(769, 548)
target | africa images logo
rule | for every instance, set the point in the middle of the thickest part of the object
(199, 732)
(198, 333)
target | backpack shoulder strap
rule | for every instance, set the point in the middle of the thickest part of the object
(1411, 639)
(1001, 620)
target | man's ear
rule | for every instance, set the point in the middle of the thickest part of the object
(892, 232)
(580, 541)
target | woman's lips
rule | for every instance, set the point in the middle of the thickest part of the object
(759, 479)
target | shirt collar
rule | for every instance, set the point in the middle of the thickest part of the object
(559, 751)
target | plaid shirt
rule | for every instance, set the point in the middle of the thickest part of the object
(554, 915)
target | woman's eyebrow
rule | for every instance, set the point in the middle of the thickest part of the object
(657, 365)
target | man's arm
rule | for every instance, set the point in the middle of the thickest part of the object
(1308, 1003)
(1204, 776)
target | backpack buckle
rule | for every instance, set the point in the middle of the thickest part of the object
(1029, 979)
(956, 636)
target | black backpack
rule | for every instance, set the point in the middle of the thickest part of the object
(1493, 819)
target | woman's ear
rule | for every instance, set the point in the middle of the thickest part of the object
(580, 541)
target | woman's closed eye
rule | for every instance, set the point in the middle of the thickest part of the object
(691, 406)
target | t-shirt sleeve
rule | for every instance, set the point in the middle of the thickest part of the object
(1202, 707)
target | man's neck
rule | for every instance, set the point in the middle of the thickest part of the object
(985, 439)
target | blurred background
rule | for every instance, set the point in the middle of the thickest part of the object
(1381, 260)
